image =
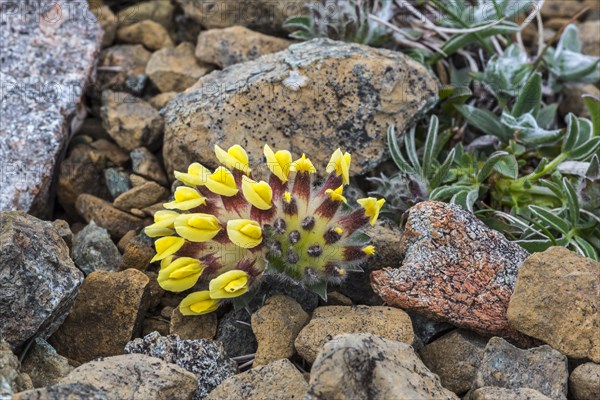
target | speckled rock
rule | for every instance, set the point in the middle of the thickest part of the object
(427, 329)
(141, 196)
(120, 65)
(556, 300)
(276, 326)
(193, 327)
(150, 34)
(130, 121)
(135, 376)
(107, 20)
(174, 69)
(584, 382)
(455, 269)
(496, 393)
(62, 391)
(541, 368)
(64, 231)
(107, 313)
(455, 358)
(93, 250)
(104, 214)
(277, 380)
(204, 358)
(327, 322)
(11, 380)
(38, 280)
(235, 332)
(117, 181)
(589, 32)
(225, 47)
(366, 366)
(144, 163)
(350, 95)
(44, 365)
(155, 10)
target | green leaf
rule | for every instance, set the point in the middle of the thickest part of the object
(430, 145)
(508, 166)
(297, 22)
(442, 171)
(586, 150)
(572, 134)
(320, 288)
(445, 192)
(547, 115)
(411, 150)
(569, 40)
(484, 120)
(528, 130)
(593, 105)
(395, 151)
(466, 198)
(530, 98)
(584, 247)
(572, 201)
(550, 219)
(489, 165)
(535, 245)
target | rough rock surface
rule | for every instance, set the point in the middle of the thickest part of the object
(349, 96)
(235, 332)
(44, 365)
(147, 32)
(557, 300)
(193, 327)
(144, 163)
(455, 358)
(327, 322)
(38, 280)
(119, 66)
(541, 368)
(135, 376)
(455, 269)
(225, 47)
(365, 366)
(155, 10)
(204, 358)
(64, 391)
(276, 326)
(589, 32)
(141, 196)
(496, 393)
(107, 313)
(277, 380)
(11, 380)
(137, 254)
(584, 382)
(41, 95)
(93, 250)
(104, 214)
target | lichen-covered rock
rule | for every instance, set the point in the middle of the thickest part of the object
(44, 365)
(556, 300)
(334, 94)
(506, 366)
(365, 366)
(455, 269)
(496, 393)
(327, 322)
(148, 33)
(225, 47)
(193, 327)
(93, 250)
(584, 382)
(11, 380)
(455, 358)
(105, 215)
(107, 313)
(64, 391)
(135, 376)
(38, 280)
(277, 380)
(276, 325)
(204, 358)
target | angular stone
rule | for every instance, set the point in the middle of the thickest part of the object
(38, 280)
(144, 163)
(155, 10)
(584, 382)
(117, 181)
(141, 196)
(350, 95)
(120, 63)
(161, 100)
(93, 250)
(138, 253)
(496, 393)
(366, 366)
(455, 269)
(193, 327)
(11, 380)
(277, 380)
(107, 314)
(44, 365)
(135, 376)
(150, 34)
(41, 94)
(225, 47)
(235, 332)
(62, 391)
(506, 366)
(112, 152)
(556, 300)
(327, 322)
(115, 221)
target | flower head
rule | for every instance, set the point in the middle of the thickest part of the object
(197, 227)
(186, 198)
(259, 194)
(230, 284)
(340, 164)
(222, 182)
(167, 246)
(278, 163)
(234, 158)
(180, 275)
(196, 175)
(371, 206)
(244, 232)
(336, 194)
(303, 164)
(198, 303)
(163, 224)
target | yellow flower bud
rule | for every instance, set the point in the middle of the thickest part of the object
(340, 163)
(222, 183)
(303, 164)
(372, 207)
(167, 246)
(186, 198)
(278, 163)
(234, 158)
(180, 275)
(336, 195)
(338, 230)
(244, 232)
(197, 227)
(259, 194)
(163, 224)
(287, 197)
(198, 303)
(369, 250)
(196, 175)
(230, 284)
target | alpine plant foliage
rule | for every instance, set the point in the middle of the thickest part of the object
(224, 230)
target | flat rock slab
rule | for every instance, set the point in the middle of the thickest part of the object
(48, 51)
(455, 269)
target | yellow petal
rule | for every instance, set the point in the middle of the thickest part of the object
(287, 197)
(259, 194)
(186, 198)
(163, 224)
(222, 183)
(372, 207)
(303, 164)
(167, 246)
(339, 230)
(244, 232)
(234, 158)
(196, 175)
(198, 303)
(369, 250)
(340, 163)
(229, 284)
(180, 275)
(336, 195)
(197, 227)
(278, 163)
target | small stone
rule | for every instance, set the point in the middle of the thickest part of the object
(225, 47)
(137, 180)
(277, 380)
(338, 299)
(135, 376)
(161, 100)
(141, 196)
(159, 11)
(186, 29)
(235, 332)
(427, 329)
(556, 300)
(175, 69)
(166, 313)
(366, 366)
(62, 391)
(107, 21)
(107, 313)
(573, 102)
(137, 254)
(150, 34)
(117, 64)
(121, 245)
(93, 250)
(130, 121)
(153, 324)
(560, 8)
(105, 215)
(117, 181)
(327, 322)
(276, 325)
(496, 393)
(44, 365)
(64, 231)
(144, 163)
(541, 368)
(584, 382)
(455, 269)
(455, 358)
(156, 293)
(11, 380)
(193, 327)
(588, 33)
(111, 152)
(38, 280)
(204, 358)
